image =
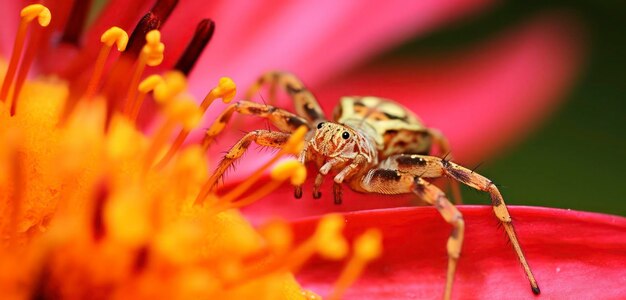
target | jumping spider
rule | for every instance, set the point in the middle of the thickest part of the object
(373, 145)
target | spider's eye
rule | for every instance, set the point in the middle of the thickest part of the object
(345, 135)
(319, 126)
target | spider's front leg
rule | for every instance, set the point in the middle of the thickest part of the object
(358, 163)
(268, 138)
(282, 119)
(388, 181)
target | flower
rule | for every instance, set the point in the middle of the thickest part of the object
(74, 192)
(573, 255)
(90, 207)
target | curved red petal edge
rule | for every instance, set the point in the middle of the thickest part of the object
(573, 254)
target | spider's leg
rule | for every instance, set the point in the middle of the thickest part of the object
(285, 121)
(431, 166)
(305, 103)
(387, 181)
(445, 152)
(268, 138)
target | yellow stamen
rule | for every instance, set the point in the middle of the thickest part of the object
(293, 146)
(328, 232)
(277, 235)
(145, 87)
(183, 111)
(113, 35)
(367, 247)
(289, 169)
(176, 83)
(151, 55)
(226, 89)
(28, 14)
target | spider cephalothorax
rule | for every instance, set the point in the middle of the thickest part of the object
(373, 145)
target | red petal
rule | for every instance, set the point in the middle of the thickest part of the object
(574, 255)
(484, 99)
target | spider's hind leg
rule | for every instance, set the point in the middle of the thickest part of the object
(445, 153)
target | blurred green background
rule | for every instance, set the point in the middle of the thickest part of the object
(576, 158)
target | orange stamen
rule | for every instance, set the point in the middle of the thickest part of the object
(182, 111)
(113, 35)
(366, 248)
(146, 86)
(151, 55)
(28, 14)
(327, 241)
(290, 169)
(27, 61)
(226, 90)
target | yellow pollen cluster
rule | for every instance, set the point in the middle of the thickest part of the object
(91, 207)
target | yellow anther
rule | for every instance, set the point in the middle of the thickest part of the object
(150, 83)
(226, 89)
(185, 111)
(115, 35)
(174, 82)
(153, 50)
(368, 246)
(38, 11)
(295, 144)
(289, 169)
(330, 243)
(153, 38)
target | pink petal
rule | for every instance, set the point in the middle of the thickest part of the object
(315, 39)
(574, 255)
(311, 38)
(485, 99)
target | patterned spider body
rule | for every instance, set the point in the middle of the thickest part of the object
(371, 144)
(392, 127)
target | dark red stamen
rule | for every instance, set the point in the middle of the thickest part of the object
(76, 22)
(204, 33)
(152, 20)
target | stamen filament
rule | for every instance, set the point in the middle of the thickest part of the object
(291, 169)
(146, 86)
(27, 61)
(113, 35)
(28, 14)
(366, 248)
(182, 110)
(226, 90)
(160, 138)
(151, 55)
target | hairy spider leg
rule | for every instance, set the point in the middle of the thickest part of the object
(446, 153)
(285, 121)
(388, 181)
(432, 167)
(304, 102)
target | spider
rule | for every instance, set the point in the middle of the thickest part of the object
(373, 145)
